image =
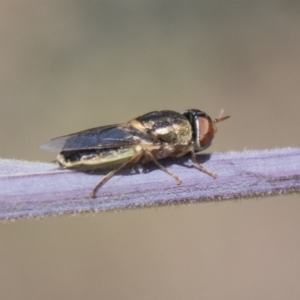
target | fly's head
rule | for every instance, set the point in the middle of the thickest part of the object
(203, 127)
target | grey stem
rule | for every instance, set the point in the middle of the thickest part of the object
(32, 189)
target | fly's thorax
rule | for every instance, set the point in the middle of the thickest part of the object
(97, 158)
(165, 127)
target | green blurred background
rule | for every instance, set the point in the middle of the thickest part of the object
(72, 65)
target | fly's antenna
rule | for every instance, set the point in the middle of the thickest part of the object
(220, 118)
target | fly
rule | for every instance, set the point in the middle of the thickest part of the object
(150, 137)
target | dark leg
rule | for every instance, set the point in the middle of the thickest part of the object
(201, 168)
(163, 168)
(113, 172)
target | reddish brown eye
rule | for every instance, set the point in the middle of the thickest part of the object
(203, 128)
(206, 131)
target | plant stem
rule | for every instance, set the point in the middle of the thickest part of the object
(32, 189)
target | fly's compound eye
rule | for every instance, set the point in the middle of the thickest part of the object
(203, 127)
(206, 131)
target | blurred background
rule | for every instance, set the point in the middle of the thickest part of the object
(72, 65)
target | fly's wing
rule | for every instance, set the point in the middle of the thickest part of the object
(112, 136)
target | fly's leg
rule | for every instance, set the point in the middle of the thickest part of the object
(113, 172)
(178, 180)
(200, 167)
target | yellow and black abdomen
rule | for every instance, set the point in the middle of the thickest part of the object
(97, 158)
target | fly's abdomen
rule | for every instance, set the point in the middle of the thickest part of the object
(97, 158)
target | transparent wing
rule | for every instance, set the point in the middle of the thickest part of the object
(112, 136)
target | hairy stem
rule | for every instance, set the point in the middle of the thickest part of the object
(32, 189)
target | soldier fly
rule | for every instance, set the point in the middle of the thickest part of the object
(150, 137)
